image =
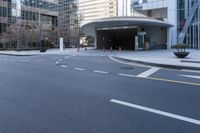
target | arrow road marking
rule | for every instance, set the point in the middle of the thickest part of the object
(191, 76)
(159, 112)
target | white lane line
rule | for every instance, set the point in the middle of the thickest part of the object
(193, 71)
(80, 69)
(191, 76)
(102, 72)
(55, 58)
(60, 60)
(12, 60)
(131, 64)
(64, 66)
(155, 111)
(24, 60)
(127, 75)
(5, 59)
(57, 62)
(148, 72)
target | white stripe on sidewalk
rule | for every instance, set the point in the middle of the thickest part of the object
(80, 69)
(148, 72)
(64, 66)
(191, 76)
(174, 116)
(127, 75)
(103, 72)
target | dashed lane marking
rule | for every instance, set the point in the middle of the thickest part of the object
(155, 111)
(64, 66)
(148, 72)
(127, 75)
(191, 76)
(102, 72)
(24, 60)
(79, 69)
(12, 60)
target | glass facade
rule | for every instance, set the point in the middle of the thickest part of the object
(68, 22)
(193, 32)
(30, 22)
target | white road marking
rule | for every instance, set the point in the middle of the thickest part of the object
(127, 75)
(131, 64)
(155, 111)
(103, 72)
(193, 71)
(24, 60)
(191, 76)
(5, 59)
(57, 62)
(148, 72)
(80, 69)
(55, 58)
(64, 66)
(60, 60)
(12, 60)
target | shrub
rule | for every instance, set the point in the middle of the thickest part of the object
(181, 47)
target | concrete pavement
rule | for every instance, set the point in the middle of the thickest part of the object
(159, 58)
(76, 96)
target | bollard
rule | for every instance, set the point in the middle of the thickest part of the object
(111, 49)
(104, 49)
(78, 49)
(120, 49)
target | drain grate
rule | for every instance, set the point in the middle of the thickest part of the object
(127, 68)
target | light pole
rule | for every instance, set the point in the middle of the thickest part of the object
(40, 30)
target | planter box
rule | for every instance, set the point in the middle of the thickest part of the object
(181, 54)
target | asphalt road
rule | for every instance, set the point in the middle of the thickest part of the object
(93, 94)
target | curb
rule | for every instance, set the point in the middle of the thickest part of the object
(18, 54)
(160, 65)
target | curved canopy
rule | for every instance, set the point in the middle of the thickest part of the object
(127, 21)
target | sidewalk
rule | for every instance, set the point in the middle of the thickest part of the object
(37, 52)
(163, 58)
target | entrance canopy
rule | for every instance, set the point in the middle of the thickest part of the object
(128, 21)
(108, 32)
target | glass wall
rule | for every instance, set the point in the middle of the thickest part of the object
(193, 34)
(69, 22)
(26, 23)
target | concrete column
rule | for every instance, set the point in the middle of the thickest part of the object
(172, 19)
(169, 38)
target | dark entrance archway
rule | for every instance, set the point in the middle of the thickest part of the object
(115, 38)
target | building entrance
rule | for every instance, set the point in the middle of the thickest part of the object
(115, 38)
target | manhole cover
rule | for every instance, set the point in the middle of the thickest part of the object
(126, 68)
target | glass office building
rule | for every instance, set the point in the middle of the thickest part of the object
(192, 36)
(68, 22)
(27, 23)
